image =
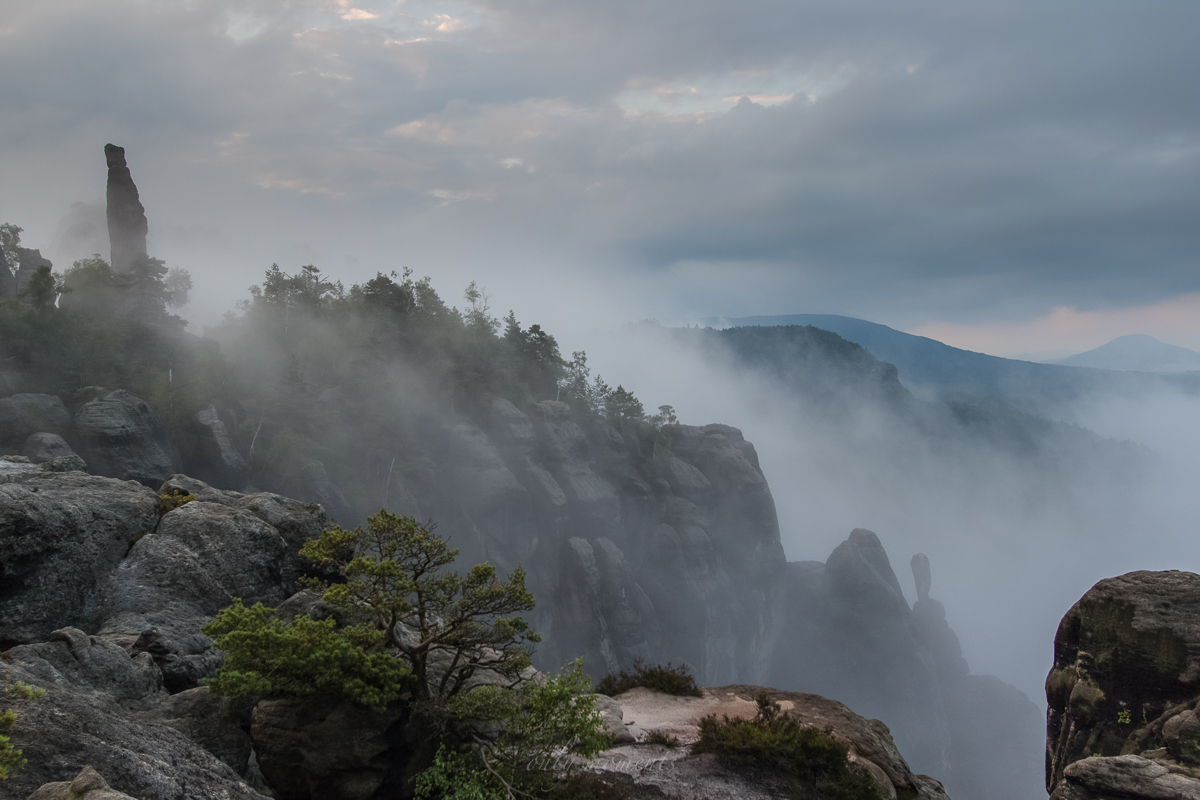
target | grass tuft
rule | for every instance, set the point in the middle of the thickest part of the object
(665, 739)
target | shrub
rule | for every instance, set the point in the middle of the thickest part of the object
(169, 501)
(667, 679)
(266, 657)
(11, 757)
(773, 742)
(515, 741)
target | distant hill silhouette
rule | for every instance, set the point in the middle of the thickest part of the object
(932, 368)
(1136, 352)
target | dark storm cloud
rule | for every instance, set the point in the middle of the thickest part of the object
(945, 155)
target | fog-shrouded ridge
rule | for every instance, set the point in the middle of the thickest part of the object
(644, 537)
(1021, 515)
(641, 537)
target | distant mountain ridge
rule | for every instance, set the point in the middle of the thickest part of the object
(933, 368)
(1136, 352)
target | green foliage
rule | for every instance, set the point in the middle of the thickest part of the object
(665, 416)
(10, 241)
(265, 657)
(620, 405)
(667, 679)
(775, 743)
(93, 287)
(520, 739)
(665, 739)
(169, 501)
(392, 570)
(41, 290)
(177, 287)
(576, 385)
(1124, 717)
(11, 757)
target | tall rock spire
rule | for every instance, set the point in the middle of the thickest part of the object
(127, 225)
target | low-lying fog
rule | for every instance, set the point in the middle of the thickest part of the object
(1011, 550)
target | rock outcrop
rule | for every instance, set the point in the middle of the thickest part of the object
(848, 633)
(42, 447)
(868, 741)
(87, 785)
(1123, 691)
(127, 226)
(120, 437)
(101, 602)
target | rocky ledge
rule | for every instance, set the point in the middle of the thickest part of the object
(104, 590)
(679, 773)
(1123, 693)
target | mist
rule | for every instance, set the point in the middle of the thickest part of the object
(1013, 541)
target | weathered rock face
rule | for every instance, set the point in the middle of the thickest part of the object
(120, 437)
(1123, 690)
(107, 709)
(90, 552)
(220, 462)
(25, 414)
(127, 226)
(101, 603)
(61, 535)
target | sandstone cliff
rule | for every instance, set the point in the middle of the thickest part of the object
(1123, 691)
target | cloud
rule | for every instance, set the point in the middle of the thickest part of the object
(918, 162)
(354, 14)
(444, 23)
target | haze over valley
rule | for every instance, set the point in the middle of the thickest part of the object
(832, 349)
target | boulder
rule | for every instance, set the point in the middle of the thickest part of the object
(71, 463)
(87, 785)
(41, 447)
(13, 468)
(120, 437)
(75, 724)
(612, 719)
(1128, 777)
(294, 520)
(61, 535)
(201, 556)
(25, 414)
(219, 461)
(1126, 662)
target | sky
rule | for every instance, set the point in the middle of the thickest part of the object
(1014, 177)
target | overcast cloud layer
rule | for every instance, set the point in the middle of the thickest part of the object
(915, 163)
